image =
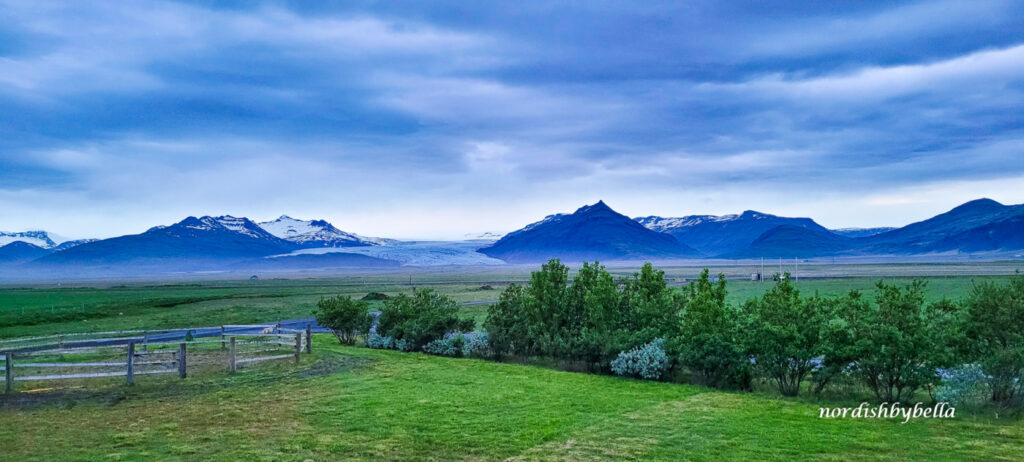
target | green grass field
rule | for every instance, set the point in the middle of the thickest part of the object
(40, 310)
(354, 403)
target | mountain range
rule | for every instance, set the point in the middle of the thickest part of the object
(978, 226)
(981, 227)
(594, 232)
(718, 235)
(210, 243)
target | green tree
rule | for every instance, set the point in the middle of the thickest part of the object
(707, 341)
(507, 324)
(596, 295)
(836, 336)
(552, 319)
(345, 317)
(784, 335)
(421, 318)
(648, 304)
(896, 345)
(994, 335)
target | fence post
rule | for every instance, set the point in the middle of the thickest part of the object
(231, 356)
(130, 376)
(8, 373)
(60, 341)
(309, 339)
(277, 328)
(298, 345)
(145, 341)
(222, 345)
(181, 360)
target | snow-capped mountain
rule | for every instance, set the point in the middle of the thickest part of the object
(192, 242)
(69, 244)
(725, 234)
(36, 238)
(593, 232)
(317, 233)
(41, 239)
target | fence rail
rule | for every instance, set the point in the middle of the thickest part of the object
(267, 339)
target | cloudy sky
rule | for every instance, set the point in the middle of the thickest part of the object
(437, 119)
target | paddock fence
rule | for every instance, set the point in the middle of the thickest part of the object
(131, 353)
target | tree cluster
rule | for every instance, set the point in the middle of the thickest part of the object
(895, 344)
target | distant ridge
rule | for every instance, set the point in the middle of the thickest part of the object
(794, 241)
(593, 232)
(191, 243)
(726, 234)
(976, 226)
(19, 251)
(983, 228)
(861, 232)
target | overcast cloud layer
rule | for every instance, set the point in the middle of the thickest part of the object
(436, 119)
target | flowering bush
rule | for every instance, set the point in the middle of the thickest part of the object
(647, 361)
(403, 345)
(963, 386)
(476, 346)
(379, 342)
(443, 347)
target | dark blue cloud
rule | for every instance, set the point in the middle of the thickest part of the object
(350, 109)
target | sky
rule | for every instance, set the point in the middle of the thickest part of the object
(434, 120)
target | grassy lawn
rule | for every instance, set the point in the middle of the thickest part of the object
(354, 403)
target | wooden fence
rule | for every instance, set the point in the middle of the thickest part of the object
(146, 354)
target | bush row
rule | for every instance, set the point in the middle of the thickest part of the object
(895, 345)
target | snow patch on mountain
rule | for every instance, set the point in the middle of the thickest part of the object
(318, 233)
(39, 238)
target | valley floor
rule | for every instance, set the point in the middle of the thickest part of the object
(346, 403)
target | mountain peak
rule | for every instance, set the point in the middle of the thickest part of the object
(979, 205)
(749, 214)
(598, 206)
(593, 232)
(37, 238)
(315, 233)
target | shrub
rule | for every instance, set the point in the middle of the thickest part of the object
(403, 345)
(420, 319)
(477, 345)
(963, 386)
(379, 342)
(508, 325)
(783, 333)
(375, 296)
(994, 323)
(344, 317)
(897, 346)
(450, 346)
(647, 361)
(707, 341)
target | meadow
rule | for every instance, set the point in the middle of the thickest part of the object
(82, 307)
(349, 403)
(355, 403)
